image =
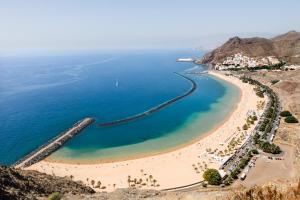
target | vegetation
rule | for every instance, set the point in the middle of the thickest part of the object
(93, 182)
(254, 151)
(212, 176)
(256, 138)
(235, 172)
(291, 119)
(269, 148)
(228, 180)
(268, 67)
(269, 118)
(274, 81)
(260, 94)
(55, 196)
(285, 113)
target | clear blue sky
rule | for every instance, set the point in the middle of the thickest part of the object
(101, 24)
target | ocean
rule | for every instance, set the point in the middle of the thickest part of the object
(43, 95)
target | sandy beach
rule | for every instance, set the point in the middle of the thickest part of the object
(180, 167)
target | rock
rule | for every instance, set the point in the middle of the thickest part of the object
(22, 184)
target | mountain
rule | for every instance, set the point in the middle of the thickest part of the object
(23, 184)
(286, 47)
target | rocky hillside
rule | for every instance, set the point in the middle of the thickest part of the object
(267, 192)
(22, 184)
(286, 47)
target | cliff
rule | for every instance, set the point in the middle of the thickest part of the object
(286, 47)
(22, 184)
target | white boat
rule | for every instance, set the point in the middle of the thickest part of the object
(185, 60)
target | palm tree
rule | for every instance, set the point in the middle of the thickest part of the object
(128, 181)
(71, 177)
(98, 184)
(93, 182)
(154, 181)
(150, 177)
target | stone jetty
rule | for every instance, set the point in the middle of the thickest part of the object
(53, 144)
(155, 108)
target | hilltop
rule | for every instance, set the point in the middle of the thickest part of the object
(285, 47)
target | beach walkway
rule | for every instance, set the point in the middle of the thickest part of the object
(52, 145)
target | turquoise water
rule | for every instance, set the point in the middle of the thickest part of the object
(41, 96)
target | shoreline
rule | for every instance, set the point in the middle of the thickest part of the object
(150, 154)
(191, 159)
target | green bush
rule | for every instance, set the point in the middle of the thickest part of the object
(285, 113)
(274, 81)
(55, 196)
(245, 127)
(269, 148)
(235, 172)
(291, 119)
(254, 118)
(228, 180)
(243, 163)
(256, 138)
(268, 128)
(212, 176)
(260, 94)
(254, 151)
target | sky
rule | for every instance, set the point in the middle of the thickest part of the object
(121, 24)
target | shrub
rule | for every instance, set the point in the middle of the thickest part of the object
(228, 180)
(243, 163)
(291, 119)
(256, 138)
(274, 81)
(268, 128)
(260, 94)
(270, 112)
(269, 148)
(254, 151)
(55, 196)
(245, 127)
(212, 176)
(235, 172)
(285, 113)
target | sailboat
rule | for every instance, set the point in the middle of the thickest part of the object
(117, 82)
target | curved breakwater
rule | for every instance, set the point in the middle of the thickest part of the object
(53, 144)
(156, 108)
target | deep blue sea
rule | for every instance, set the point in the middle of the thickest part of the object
(41, 96)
